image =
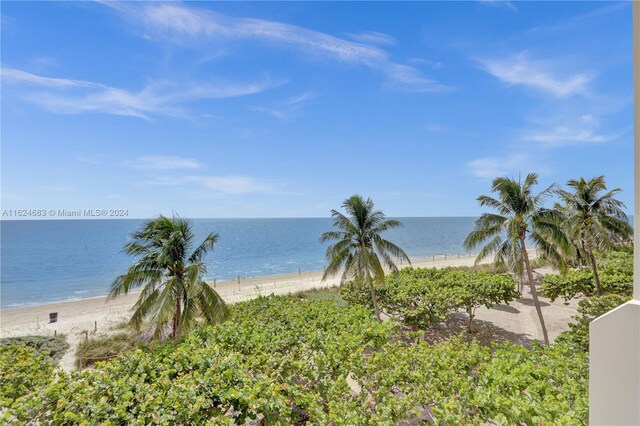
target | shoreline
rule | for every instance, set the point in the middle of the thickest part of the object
(83, 318)
(441, 260)
(230, 290)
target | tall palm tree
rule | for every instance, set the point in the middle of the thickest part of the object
(595, 219)
(576, 254)
(359, 248)
(520, 218)
(171, 275)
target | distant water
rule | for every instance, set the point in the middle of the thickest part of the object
(51, 260)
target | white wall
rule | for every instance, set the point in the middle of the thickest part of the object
(614, 367)
(614, 338)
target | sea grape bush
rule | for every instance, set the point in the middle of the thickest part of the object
(22, 370)
(285, 360)
(589, 309)
(422, 297)
(615, 271)
(281, 358)
(465, 383)
(53, 346)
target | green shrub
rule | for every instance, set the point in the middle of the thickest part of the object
(615, 271)
(286, 360)
(53, 346)
(589, 309)
(22, 370)
(422, 297)
(465, 383)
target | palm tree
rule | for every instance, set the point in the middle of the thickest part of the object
(171, 277)
(520, 218)
(595, 219)
(576, 254)
(359, 246)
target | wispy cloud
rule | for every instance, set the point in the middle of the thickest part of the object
(161, 162)
(592, 18)
(519, 69)
(226, 185)
(284, 109)
(435, 127)
(373, 37)
(490, 167)
(12, 75)
(177, 23)
(583, 130)
(69, 96)
(504, 4)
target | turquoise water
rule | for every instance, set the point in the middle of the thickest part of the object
(51, 260)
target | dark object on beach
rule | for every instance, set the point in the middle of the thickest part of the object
(53, 317)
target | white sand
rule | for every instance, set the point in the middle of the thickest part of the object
(99, 315)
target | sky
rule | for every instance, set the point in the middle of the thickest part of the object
(259, 109)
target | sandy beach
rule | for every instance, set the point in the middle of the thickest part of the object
(99, 315)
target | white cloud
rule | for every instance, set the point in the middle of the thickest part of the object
(500, 3)
(586, 129)
(435, 127)
(179, 24)
(373, 37)
(285, 108)
(227, 185)
(406, 78)
(67, 96)
(491, 167)
(520, 70)
(274, 112)
(12, 75)
(161, 162)
(568, 135)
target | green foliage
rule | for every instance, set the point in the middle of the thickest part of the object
(422, 297)
(103, 348)
(53, 346)
(358, 249)
(286, 360)
(171, 273)
(280, 357)
(519, 216)
(616, 277)
(22, 370)
(465, 383)
(588, 310)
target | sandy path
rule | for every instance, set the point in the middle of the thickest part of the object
(99, 315)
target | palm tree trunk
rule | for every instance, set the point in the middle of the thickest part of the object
(596, 278)
(176, 320)
(534, 291)
(374, 298)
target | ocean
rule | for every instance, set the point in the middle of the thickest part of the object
(43, 261)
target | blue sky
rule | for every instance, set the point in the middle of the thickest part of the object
(285, 109)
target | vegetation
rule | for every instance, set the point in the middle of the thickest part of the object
(521, 217)
(104, 348)
(588, 310)
(595, 220)
(615, 270)
(359, 249)
(319, 357)
(171, 275)
(52, 346)
(23, 370)
(286, 360)
(422, 297)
